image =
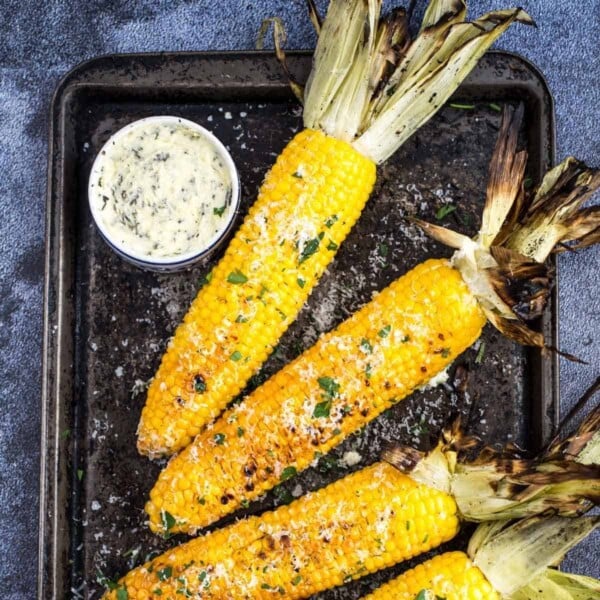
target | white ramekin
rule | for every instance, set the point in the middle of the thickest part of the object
(176, 262)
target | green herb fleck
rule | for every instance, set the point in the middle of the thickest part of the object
(157, 592)
(444, 211)
(206, 279)
(445, 352)
(332, 245)
(164, 573)
(461, 106)
(480, 353)
(240, 431)
(405, 339)
(297, 175)
(365, 346)
(330, 221)
(168, 520)
(241, 319)
(383, 250)
(122, 594)
(245, 503)
(235, 356)
(495, 106)
(310, 248)
(368, 371)
(322, 409)
(80, 474)
(219, 211)
(65, 434)
(425, 538)
(219, 438)
(288, 473)
(297, 580)
(329, 385)
(336, 431)
(236, 277)
(407, 525)
(527, 183)
(281, 314)
(383, 333)
(202, 501)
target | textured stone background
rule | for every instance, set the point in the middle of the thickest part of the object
(40, 41)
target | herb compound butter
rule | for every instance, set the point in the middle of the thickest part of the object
(163, 189)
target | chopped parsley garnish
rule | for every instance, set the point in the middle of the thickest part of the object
(297, 175)
(527, 182)
(336, 431)
(383, 250)
(199, 384)
(219, 211)
(329, 385)
(202, 501)
(245, 503)
(122, 594)
(219, 439)
(167, 519)
(241, 319)
(288, 473)
(301, 282)
(368, 371)
(365, 346)
(383, 333)
(281, 314)
(310, 248)
(445, 352)
(444, 211)
(164, 573)
(235, 356)
(322, 409)
(240, 431)
(65, 434)
(236, 277)
(206, 279)
(157, 592)
(495, 106)
(406, 338)
(80, 474)
(297, 580)
(332, 246)
(461, 106)
(283, 496)
(330, 221)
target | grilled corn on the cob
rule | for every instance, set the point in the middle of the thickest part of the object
(365, 522)
(364, 98)
(362, 523)
(411, 331)
(515, 561)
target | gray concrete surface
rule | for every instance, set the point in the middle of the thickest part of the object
(40, 41)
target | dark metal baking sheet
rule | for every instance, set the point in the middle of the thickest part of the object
(107, 322)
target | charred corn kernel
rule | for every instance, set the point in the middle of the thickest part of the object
(305, 208)
(359, 524)
(451, 576)
(408, 333)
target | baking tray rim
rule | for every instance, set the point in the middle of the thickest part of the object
(52, 317)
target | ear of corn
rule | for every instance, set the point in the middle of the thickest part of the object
(310, 200)
(451, 575)
(306, 207)
(503, 562)
(409, 332)
(367, 521)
